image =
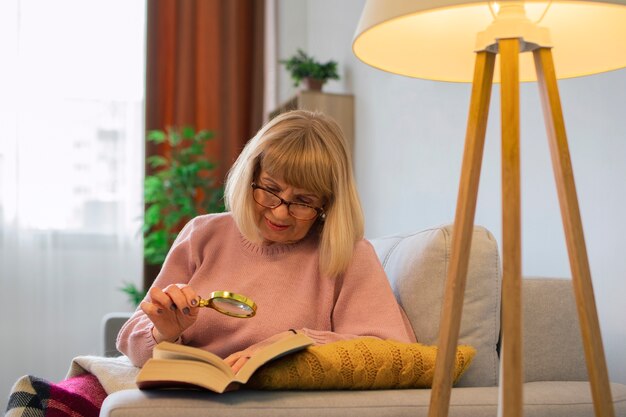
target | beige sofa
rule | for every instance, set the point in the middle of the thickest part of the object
(416, 264)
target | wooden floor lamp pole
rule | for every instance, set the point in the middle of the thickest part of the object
(512, 373)
(462, 233)
(574, 237)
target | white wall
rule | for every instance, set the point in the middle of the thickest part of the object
(292, 21)
(409, 142)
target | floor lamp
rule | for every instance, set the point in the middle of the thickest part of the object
(438, 40)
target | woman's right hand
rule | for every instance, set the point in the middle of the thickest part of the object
(172, 311)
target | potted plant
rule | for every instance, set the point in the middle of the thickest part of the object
(181, 187)
(303, 67)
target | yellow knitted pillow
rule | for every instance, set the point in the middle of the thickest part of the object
(363, 363)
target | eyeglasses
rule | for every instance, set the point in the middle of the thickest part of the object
(268, 199)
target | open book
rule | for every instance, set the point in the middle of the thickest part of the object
(174, 365)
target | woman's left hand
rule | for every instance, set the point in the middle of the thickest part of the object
(238, 359)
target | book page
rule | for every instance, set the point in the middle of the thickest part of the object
(164, 373)
(167, 350)
(277, 349)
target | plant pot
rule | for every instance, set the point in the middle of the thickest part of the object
(313, 84)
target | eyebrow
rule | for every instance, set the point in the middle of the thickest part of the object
(267, 178)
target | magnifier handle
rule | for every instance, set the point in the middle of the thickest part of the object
(203, 303)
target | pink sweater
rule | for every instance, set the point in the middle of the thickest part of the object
(210, 254)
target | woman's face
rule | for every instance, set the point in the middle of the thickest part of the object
(277, 225)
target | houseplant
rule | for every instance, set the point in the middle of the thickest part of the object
(315, 74)
(181, 186)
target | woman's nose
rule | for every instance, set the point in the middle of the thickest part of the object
(281, 211)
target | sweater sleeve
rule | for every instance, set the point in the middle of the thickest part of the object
(365, 304)
(135, 338)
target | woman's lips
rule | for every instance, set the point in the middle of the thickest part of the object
(274, 226)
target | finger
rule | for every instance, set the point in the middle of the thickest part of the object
(232, 358)
(176, 296)
(150, 309)
(190, 295)
(157, 314)
(236, 361)
(159, 298)
(239, 363)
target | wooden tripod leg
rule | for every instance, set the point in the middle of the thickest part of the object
(572, 224)
(462, 234)
(512, 370)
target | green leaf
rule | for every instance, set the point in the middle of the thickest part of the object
(152, 215)
(152, 181)
(204, 135)
(172, 219)
(188, 132)
(196, 149)
(174, 137)
(135, 295)
(206, 165)
(153, 190)
(157, 161)
(157, 239)
(154, 258)
(156, 136)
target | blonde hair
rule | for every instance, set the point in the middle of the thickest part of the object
(307, 150)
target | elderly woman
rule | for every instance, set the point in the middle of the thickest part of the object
(292, 241)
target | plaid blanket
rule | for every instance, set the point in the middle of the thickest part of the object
(78, 396)
(88, 381)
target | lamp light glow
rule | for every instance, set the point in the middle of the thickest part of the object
(436, 39)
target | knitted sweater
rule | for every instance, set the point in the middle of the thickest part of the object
(210, 254)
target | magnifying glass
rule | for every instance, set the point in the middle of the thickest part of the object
(229, 303)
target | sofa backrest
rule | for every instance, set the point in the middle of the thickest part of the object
(417, 265)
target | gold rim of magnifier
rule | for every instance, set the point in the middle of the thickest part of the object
(229, 296)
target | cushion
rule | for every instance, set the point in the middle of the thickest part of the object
(362, 363)
(417, 266)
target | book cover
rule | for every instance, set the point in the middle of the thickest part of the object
(173, 365)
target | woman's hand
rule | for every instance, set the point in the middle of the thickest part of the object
(172, 311)
(239, 359)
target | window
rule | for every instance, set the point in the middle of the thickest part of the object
(71, 171)
(73, 113)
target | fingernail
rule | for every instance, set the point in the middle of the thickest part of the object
(173, 307)
(186, 311)
(194, 302)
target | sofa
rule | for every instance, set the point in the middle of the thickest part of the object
(416, 264)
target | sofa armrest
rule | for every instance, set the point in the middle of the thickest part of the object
(111, 325)
(553, 349)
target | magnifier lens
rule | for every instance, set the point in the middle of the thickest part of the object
(231, 304)
(231, 307)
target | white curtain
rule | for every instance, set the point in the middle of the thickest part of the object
(71, 170)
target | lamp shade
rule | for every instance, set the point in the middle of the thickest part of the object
(436, 39)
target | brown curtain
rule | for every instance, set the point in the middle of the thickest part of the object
(204, 68)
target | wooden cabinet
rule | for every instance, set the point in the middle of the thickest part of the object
(338, 106)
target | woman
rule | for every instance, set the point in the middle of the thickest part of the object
(292, 241)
